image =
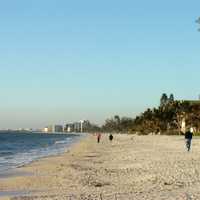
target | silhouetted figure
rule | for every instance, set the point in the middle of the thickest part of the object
(188, 137)
(98, 137)
(111, 137)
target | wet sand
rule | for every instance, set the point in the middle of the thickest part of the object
(131, 167)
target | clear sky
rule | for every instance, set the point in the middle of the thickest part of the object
(62, 61)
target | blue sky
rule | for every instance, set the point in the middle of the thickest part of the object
(66, 60)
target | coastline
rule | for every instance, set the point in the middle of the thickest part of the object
(15, 170)
(27, 171)
(139, 167)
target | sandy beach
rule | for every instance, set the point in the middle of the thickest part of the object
(131, 167)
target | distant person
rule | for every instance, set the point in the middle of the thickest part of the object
(188, 137)
(111, 137)
(98, 137)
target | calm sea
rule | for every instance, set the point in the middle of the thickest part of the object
(17, 149)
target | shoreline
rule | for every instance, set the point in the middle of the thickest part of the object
(138, 167)
(28, 170)
(16, 170)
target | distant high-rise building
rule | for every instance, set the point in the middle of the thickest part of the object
(78, 127)
(48, 129)
(53, 129)
(69, 128)
(58, 129)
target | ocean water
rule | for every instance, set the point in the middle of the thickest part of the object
(17, 149)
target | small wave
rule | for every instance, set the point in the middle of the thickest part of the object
(6, 153)
(24, 149)
(61, 142)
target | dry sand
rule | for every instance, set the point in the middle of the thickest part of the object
(131, 167)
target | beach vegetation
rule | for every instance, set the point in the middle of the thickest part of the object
(165, 119)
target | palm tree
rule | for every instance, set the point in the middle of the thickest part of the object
(171, 98)
(163, 100)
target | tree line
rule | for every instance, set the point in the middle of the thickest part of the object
(167, 118)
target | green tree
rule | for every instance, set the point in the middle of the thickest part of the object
(163, 100)
(126, 124)
(117, 119)
(171, 98)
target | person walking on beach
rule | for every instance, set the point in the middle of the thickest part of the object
(111, 137)
(98, 137)
(188, 137)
